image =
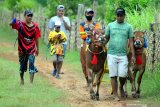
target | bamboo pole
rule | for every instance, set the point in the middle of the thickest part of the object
(77, 23)
(95, 8)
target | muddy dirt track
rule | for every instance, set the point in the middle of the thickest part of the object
(72, 84)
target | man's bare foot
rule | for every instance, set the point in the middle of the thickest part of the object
(61, 73)
(22, 82)
(123, 95)
(116, 98)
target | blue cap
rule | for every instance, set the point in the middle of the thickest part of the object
(120, 11)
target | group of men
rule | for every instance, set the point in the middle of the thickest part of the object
(117, 34)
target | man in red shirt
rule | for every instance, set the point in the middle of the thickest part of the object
(28, 43)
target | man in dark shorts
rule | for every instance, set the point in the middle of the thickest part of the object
(28, 43)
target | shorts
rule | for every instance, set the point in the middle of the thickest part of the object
(64, 49)
(23, 60)
(118, 65)
(58, 58)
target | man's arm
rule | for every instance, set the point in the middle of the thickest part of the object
(63, 37)
(67, 26)
(83, 34)
(107, 34)
(107, 39)
(131, 40)
(132, 49)
(37, 47)
(16, 24)
(13, 21)
(37, 36)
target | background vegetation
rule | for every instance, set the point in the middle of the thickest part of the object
(144, 9)
(140, 13)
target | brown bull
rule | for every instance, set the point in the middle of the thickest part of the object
(139, 65)
(93, 58)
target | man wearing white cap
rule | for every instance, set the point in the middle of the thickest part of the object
(56, 38)
(65, 23)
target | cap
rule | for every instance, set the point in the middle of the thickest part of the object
(28, 12)
(120, 11)
(89, 10)
(57, 23)
(60, 7)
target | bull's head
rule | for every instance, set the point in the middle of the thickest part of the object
(138, 39)
(98, 38)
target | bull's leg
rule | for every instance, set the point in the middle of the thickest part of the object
(141, 72)
(90, 81)
(133, 89)
(98, 75)
(83, 63)
(132, 80)
(97, 90)
(125, 89)
(139, 82)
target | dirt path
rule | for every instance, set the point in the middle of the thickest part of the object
(73, 84)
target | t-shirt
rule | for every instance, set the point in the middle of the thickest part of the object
(56, 42)
(119, 34)
(56, 18)
(26, 36)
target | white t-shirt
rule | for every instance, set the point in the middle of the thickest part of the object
(56, 18)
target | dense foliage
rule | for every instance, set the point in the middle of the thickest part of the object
(20, 5)
(137, 10)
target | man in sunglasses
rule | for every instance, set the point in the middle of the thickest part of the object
(65, 25)
(28, 43)
(118, 33)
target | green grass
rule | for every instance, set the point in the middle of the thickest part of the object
(7, 34)
(40, 94)
(72, 60)
(151, 87)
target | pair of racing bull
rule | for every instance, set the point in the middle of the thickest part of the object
(93, 56)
